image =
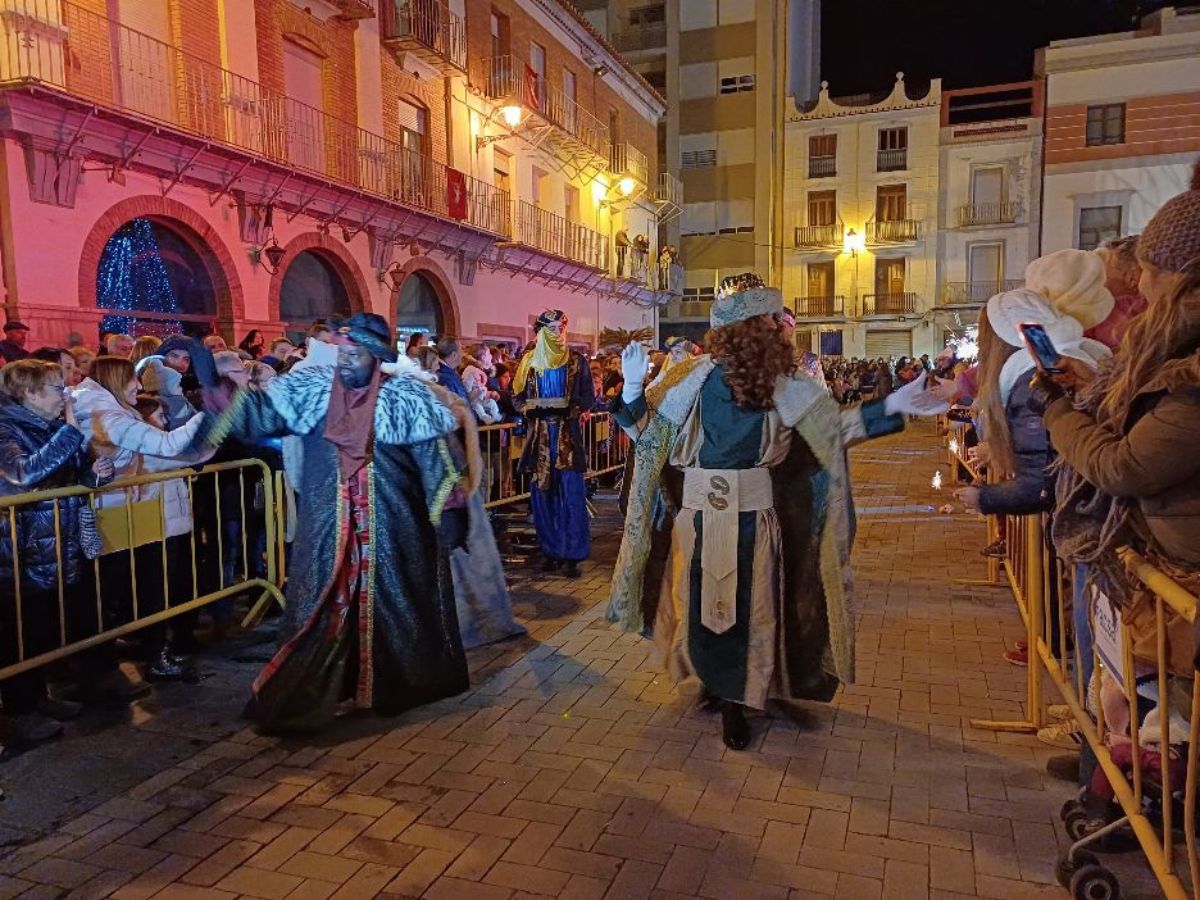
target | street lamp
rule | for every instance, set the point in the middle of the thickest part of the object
(511, 116)
(852, 243)
(626, 186)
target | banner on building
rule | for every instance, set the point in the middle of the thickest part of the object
(456, 194)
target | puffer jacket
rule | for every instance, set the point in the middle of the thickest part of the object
(1155, 459)
(36, 454)
(1031, 488)
(120, 434)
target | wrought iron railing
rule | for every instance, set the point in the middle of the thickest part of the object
(831, 306)
(822, 166)
(896, 303)
(961, 293)
(891, 160)
(893, 231)
(1001, 213)
(434, 25)
(670, 189)
(626, 160)
(63, 46)
(560, 237)
(509, 79)
(820, 235)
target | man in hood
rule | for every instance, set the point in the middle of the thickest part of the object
(370, 619)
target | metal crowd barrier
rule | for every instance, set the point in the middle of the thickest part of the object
(1144, 782)
(605, 445)
(102, 606)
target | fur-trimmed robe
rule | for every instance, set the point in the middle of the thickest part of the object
(404, 645)
(813, 649)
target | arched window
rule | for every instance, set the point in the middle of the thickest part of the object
(311, 290)
(151, 280)
(418, 307)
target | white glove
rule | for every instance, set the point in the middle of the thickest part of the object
(914, 400)
(635, 366)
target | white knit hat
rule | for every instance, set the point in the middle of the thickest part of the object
(1073, 282)
(1012, 308)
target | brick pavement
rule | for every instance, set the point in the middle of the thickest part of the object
(573, 769)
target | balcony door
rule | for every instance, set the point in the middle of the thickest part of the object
(303, 79)
(570, 117)
(987, 187)
(143, 58)
(820, 287)
(984, 270)
(414, 157)
(889, 285)
(891, 203)
(537, 62)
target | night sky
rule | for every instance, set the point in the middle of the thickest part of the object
(966, 42)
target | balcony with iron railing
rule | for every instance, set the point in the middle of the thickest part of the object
(821, 237)
(822, 166)
(429, 30)
(832, 306)
(122, 70)
(891, 304)
(669, 190)
(975, 293)
(551, 233)
(891, 160)
(627, 161)
(1003, 213)
(893, 231)
(511, 82)
(640, 38)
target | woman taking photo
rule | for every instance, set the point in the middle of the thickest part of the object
(39, 451)
(1133, 429)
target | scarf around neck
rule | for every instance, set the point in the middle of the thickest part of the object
(550, 352)
(350, 421)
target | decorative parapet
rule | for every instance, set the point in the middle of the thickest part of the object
(897, 101)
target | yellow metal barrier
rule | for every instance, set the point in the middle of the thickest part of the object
(1044, 591)
(206, 541)
(606, 448)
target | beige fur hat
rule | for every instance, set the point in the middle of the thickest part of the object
(1073, 282)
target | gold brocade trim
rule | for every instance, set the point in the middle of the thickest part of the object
(366, 685)
(224, 423)
(657, 392)
(447, 485)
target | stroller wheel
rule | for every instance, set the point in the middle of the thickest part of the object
(1095, 883)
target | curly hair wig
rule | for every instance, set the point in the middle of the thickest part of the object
(754, 353)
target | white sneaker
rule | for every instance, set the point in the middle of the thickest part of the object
(1058, 711)
(1064, 735)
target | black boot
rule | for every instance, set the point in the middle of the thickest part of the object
(735, 730)
(571, 569)
(550, 564)
(165, 668)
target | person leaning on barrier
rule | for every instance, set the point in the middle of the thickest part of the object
(39, 451)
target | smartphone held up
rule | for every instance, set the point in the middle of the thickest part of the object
(1041, 348)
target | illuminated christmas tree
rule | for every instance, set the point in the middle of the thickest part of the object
(133, 277)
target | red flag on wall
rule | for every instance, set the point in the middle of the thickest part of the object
(532, 94)
(456, 193)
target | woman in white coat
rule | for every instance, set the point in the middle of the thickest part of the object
(105, 406)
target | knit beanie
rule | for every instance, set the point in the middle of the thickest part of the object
(1172, 239)
(1073, 282)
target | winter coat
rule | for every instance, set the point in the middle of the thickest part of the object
(120, 434)
(1154, 460)
(39, 455)
(1031, 488)
(165, 383)
(450, 380)
(177, 506)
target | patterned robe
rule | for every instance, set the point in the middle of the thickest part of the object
(793, 634)
(370, 614)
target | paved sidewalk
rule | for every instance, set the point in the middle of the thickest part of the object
(573, 769)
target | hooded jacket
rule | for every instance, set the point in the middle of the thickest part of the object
(1153, 460)
(165, 383)
(36, 454)
(120, 434)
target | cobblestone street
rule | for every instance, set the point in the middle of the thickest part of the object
(573, 769)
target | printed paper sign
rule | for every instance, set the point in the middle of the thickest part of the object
(1107, 628)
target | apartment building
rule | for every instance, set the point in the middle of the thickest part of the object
(861, 200)
(990, 181)
(1122, 127)
(725, 66)
(455, 166)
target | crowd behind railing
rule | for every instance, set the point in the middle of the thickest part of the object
(1075, 434)
(120, 541)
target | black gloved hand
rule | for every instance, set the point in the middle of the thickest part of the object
(203, 365)
(1043, 391)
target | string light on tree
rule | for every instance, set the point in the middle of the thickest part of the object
(133, 277)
